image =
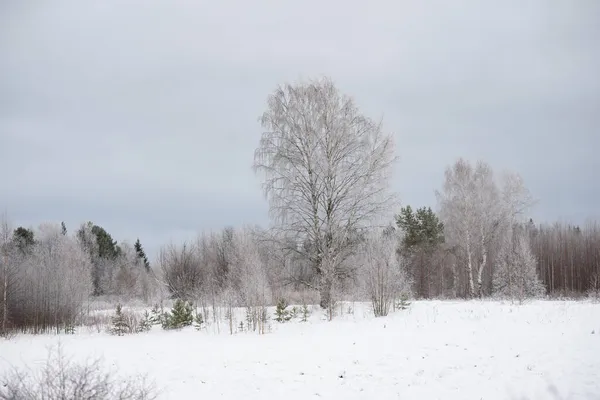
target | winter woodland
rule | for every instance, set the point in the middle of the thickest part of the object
(337, 234)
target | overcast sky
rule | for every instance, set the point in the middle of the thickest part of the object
(142, 116)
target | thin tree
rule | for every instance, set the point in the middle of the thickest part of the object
(5, 238)
(383, 276)
(327, 169)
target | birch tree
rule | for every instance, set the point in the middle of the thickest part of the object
(55, 281)
(250, 275)
(7, 272)
(326, 169)
(475, 209)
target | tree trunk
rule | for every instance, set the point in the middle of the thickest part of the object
(480, 273)
(325, 292)
(470, 267)
(5, 298)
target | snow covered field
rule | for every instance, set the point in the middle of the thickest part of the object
(433, 350)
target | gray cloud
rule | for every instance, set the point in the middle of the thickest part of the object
(142, 115)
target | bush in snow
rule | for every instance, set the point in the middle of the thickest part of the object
(60, 378)
(248, 279)
(594, 290)
(383, 275)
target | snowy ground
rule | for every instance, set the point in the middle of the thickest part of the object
(434, 350)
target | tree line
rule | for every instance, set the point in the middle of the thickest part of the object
(326, 173)
(47, 275)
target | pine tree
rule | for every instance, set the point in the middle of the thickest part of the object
(119, 323)
(403, 303)
(156, 315)
(281, 314)
(181, 316)
(423, 234)
(305, 313)
(145, 324)
(23, 238)
(198, 321)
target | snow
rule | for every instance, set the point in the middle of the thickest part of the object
(434, 350)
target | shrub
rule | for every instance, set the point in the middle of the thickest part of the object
(60, 379)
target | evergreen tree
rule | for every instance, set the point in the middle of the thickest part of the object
(103, 251)
(423, 229)
(145, 324)
(107, 247)
(139, 250)
(281, 314)
(181, 316)
(423, 234)
(24, 238)
(305, 313)
(119, 323)
(63, 228)
(403, 303)
(198, 321)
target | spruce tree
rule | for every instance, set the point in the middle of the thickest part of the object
(305, 313)
(139, 250)
(145, 324)
(198, 321)
(281, 314)
(23, 238)
(119, 323)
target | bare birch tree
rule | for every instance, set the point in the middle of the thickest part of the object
(7, 271)
(327, 169)
(476, 209)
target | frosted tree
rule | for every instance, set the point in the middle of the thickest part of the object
(8, 272)
(182, 269)
(382, 273)
(249, 273)
(515, 276)
(475, 210)
(55, 282)
(327, 169)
